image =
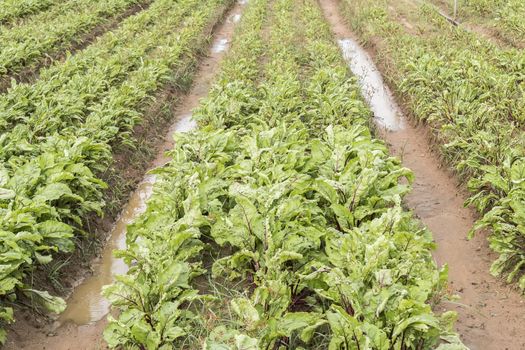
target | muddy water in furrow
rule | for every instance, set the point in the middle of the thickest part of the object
(386, 112)
(81, 325)
(491, 314)
(86, 304)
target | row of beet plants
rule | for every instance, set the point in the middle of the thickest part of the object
(278, 224)
(50, 164)
(504, 16)
(471, 94)
(12, 10)
(31, 41)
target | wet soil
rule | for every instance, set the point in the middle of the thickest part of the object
(386, 112)
(491, 313)
(82, 324)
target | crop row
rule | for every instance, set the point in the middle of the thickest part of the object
(68, 92)
(471, 94)
(12, 10)
(278, 224)
(48, 185)
(506, 15)
(49, 32)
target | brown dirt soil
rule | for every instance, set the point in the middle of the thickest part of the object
(491, 313)
(30, 73)
(34, 333)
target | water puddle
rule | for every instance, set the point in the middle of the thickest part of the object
(235, 18)
(185, 124)
(86, 305)
(220, 45)
(386, 112)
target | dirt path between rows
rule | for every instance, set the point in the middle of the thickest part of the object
(491, 314)
(81, 326)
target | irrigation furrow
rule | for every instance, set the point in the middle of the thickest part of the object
(283, 196)
(491, 314)
(82, 323)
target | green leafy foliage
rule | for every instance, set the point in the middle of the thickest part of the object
(504, 15)
(470, 93)
(58, 133)
(14, 9)
(284, 195)
(49, 32)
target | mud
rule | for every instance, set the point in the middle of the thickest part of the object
(82, 324)
(86, 305)
(491, 313)
(386, 112)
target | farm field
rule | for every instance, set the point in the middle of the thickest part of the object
(471, 94)
(13, 10)
(261, 174)
(498, 19)
(42, 31)
(468, 92)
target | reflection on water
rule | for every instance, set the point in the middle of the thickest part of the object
(220, 45)
(186, 124)
(386, 112)
(86, 304)
(235, 18)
